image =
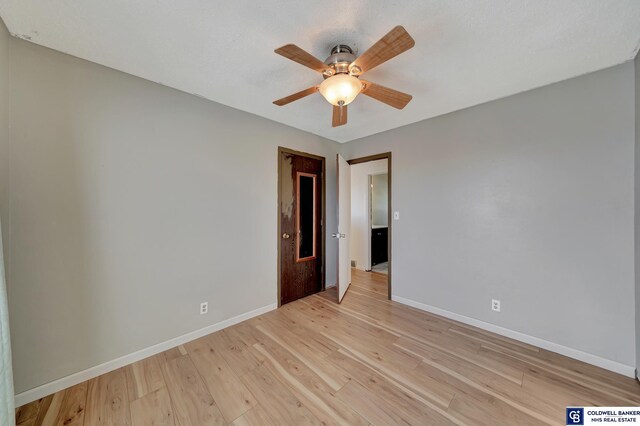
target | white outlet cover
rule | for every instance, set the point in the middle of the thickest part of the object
(204, 308)
(495, 305)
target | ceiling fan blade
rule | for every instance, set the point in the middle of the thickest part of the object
(339, 116)
(301, 94)
(394, 43)
(384, 94)
(293, 52)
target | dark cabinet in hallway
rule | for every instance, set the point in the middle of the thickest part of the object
(379, 238)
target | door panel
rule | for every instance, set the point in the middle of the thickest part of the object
(300, 226)
(344, 226)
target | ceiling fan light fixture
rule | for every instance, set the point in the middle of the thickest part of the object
(342, 69)
(340, 89)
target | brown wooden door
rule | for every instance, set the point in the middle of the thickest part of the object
(301, 211)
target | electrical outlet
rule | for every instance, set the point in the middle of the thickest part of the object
(396, 215)
(204, 308)
(495, 305)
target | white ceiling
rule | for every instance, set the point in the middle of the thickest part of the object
(467, 51)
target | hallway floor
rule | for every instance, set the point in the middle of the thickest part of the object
(382, 268)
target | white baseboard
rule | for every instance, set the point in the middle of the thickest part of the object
(607, 364)
(84, 375)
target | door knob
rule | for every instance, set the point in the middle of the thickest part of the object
(286, 236)
(338, 235)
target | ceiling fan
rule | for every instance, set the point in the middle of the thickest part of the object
(342, 70)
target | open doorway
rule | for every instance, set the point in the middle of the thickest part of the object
(379, 221)
(370, 243)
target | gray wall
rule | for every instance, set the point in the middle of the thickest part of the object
(637, 210)
(131, 203)
(4, 134)
(530, 200)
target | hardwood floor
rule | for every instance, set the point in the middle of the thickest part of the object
(366, 361)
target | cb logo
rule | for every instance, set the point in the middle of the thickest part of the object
(575, 416)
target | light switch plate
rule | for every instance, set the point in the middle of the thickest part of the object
(396, 215)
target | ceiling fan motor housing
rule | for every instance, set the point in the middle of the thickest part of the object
(341, 56)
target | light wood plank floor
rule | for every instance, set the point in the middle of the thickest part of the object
(366, 361)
